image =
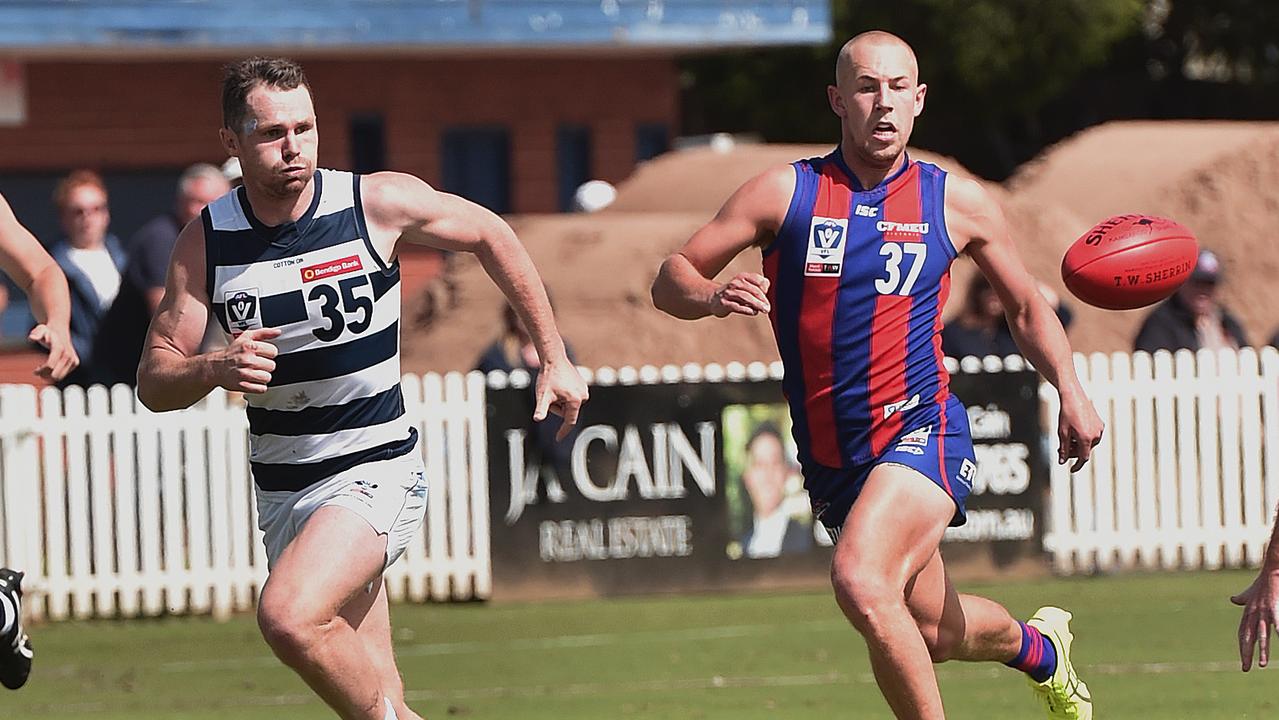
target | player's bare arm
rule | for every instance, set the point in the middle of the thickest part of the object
(977, 226)
(685, 286)
(24, 260)
(1260, 604)
(173, 373)
(403, 208)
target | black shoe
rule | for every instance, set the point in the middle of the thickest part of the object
(15, 646)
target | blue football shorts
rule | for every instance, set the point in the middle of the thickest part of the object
(942, 451)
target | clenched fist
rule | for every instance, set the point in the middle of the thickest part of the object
(247, 363)
(746, 293)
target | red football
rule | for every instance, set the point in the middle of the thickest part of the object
(1129, 261)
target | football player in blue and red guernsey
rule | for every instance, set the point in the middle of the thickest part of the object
(856, 250)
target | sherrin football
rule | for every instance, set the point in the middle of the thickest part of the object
(1129, 261)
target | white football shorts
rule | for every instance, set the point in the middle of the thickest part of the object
(390, 495)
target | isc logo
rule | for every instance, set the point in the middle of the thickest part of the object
(866, 211)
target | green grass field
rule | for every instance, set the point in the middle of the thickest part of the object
(1157, 646)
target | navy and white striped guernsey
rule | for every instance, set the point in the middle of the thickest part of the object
(334, 400)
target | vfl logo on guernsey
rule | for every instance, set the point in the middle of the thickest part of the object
(826, 247)
(898, 228)
(242, 311)
(332, 268)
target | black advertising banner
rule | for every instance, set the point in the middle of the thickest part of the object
(693, 486)
(1006, 509)
(635, 501)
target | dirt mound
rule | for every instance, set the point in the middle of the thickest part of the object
(598, 269)
(1127, 166)
(1215, 177)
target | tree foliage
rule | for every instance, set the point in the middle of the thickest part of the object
(1233, 41)
(988, 58)
(1007, 77)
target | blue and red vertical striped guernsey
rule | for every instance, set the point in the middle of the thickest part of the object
(858, 279)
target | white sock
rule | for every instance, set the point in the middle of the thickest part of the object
(8, 614)
(390, 710)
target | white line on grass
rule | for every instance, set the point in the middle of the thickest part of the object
(715, 682)
(714, 632)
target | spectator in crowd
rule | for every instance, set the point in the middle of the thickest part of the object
(117, 347)
(232, 171)
(981, 328)
(775, 529)
(514, 350)
(1192, 318)
(92, 260)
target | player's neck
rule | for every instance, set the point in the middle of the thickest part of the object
(272, 210)
(870, 175)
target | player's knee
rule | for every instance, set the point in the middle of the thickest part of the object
(289, 632)
(863, 596)
(285, 636)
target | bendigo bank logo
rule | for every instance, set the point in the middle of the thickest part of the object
(332, 268)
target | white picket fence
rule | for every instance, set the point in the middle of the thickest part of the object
(1188, 473)
(113, 510)
(116, 511)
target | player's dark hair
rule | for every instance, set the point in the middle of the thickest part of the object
(240, 77)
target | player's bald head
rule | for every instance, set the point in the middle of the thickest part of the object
(868, 49)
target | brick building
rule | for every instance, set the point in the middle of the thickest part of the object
(513, 133)
(512, 103)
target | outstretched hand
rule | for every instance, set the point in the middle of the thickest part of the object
(62, 357)
(1260, 604)
(560, 390)
(745, 294)
(1079, 430)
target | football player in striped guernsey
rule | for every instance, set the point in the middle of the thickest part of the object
(856, 250)
(25, 261)
(298, 266)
